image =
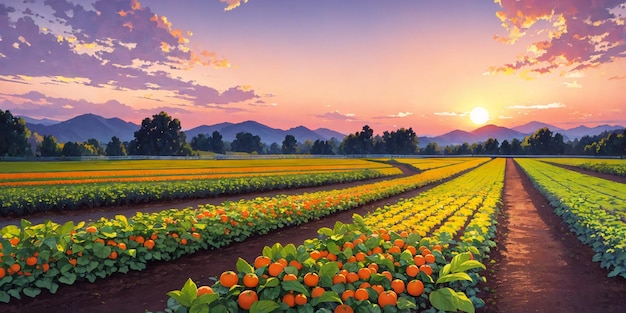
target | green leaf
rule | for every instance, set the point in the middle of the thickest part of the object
(405, 304)
(457, 260)
(101, 251)
(264, 306)
(66, 228)
(289, 250)
(244, 267)
(186, 295)
(453, 277)
(295, 286)
(325, 231)
(31, 292)
(443, 299)
(463, 303)
(444, 270)
(4, 297)
(122, 219)
(327, 297)
(199, 308)
(333, 248)
(468, 265)
(272, 282)
(68, 278)
(206, 298)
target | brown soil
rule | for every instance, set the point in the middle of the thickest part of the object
(540, 266)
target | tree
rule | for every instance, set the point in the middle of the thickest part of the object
(290, 145)
(160, 135)
(200, 142)
(305, 147)
(96, 144)
(359, 143)
(115, 147)
(14, 138)
(401, 141)
(516, 147)
(246, 142)
(491, 146)
(49, 147)
(321, 147)
(432, 148)
(505, 147)
(71, 149)
(274, 148)
(216, 144)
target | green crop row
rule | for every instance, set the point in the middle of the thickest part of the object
(37, 257)
(607, 166)
(594, 209)
(20, 201)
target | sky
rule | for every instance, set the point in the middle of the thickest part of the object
(338, 64)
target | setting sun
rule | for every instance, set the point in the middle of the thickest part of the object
(479, 115)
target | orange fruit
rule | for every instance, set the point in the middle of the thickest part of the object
(289, 277)
(388, 275)
(339, 279)
(202, 290)
(296, 264)
(349, 293)
(360, 256)
(404, 234)
(148, 244)
(331, 257)
(72, 261)
(183, 241)
(250, 280)
(352, 277)
(229, 279)
(311, 279)
(364, 273)
(373, 267)
(415, 287)
(315, 255)
(411, 249)
(361, 294)
(317, 292)
(397, 285)
(426, 251)
(378, 288)
(91, 229)
(365, 285)
(45, 267)
(14, 241)
(426, 269)
(438, 248)
(343, 308)
(398, 243)
(31, 261)
(121, 245)
(429, 258)
(386, 298)
(113, 255)
(301, 299)
(247, 298)
(275, 269)
(394, 249)
(140, 239)
(3, 272)
(419, 260)
(261, 261)
(283, 261)
(412, 270)
(290, 300)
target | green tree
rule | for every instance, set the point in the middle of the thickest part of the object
(71, 149)
(274, 149)
(290, 145)
(505, 147)
(216, 144)
(14, 138)
(160, 135)
(321, 147)
(432, 148)
(360, 142)
(49, 147)
(200, 142)
(401, 141)
(246, 142)
(96, 144)
(491, 146)
(115, 147)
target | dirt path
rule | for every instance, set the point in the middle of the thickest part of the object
(541, 266)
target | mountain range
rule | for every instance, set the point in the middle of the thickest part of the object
(87, 126)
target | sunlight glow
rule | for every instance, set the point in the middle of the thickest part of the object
(479, 115)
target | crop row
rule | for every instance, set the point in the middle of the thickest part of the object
(373, 265)
(594, 209)
(606, 166)
(36, 257)
(30, 199)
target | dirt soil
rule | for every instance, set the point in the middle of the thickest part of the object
(525, 277)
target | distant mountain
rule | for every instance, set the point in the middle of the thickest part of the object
(268, 135)
(44, 121)
(84, 127)
(532, 127)
(496, 132)
(581, 131)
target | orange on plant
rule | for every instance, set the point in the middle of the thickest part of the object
(121, 245)
(343, 308)
(289, 277)
(275, 269)
(412, 270)
(398, 243)
(373, 267)
(301, 299)
(361, 294)
(429, 258)
(296, 264)
(360, 256)
(398, 285)
(386, 298)
(290, 300)
(352, 277)
(14, 241)
(229, 279)
(426, 269)
(45, 267)
(261, 261)
(91, 229)
(364, 273)
(365, 285)
(283, 261)
(378, 288)
(388, 275)
(31, 261)
(419, 260)
(148, 243)
(415, 287)
(317, 292)
(246, 298)
(311, 279)
(183, 241)
(113, 255)
(347, 294)
(394, 249)
(250, 280)
(339, 279)
(203, 290)
(3, 272)
(315, 255)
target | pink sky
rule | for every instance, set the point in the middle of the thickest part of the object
(334, 64)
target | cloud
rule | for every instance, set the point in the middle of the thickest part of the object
(578, 35)
(399, 115)
(463, 114)
(117, 44)
(261, 103)
(573, 84)
(617, 78)
(504, 117)
(554, 105)
(336, 115)
(232, 4)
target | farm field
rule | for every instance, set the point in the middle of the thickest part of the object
(602, 166)
(463, 210)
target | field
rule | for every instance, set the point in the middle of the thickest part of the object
(399, 235)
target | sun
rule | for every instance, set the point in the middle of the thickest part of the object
(479, 115)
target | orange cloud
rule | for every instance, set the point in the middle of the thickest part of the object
(577, 35)
(232, 4)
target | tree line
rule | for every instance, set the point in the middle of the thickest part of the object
(162, 135)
